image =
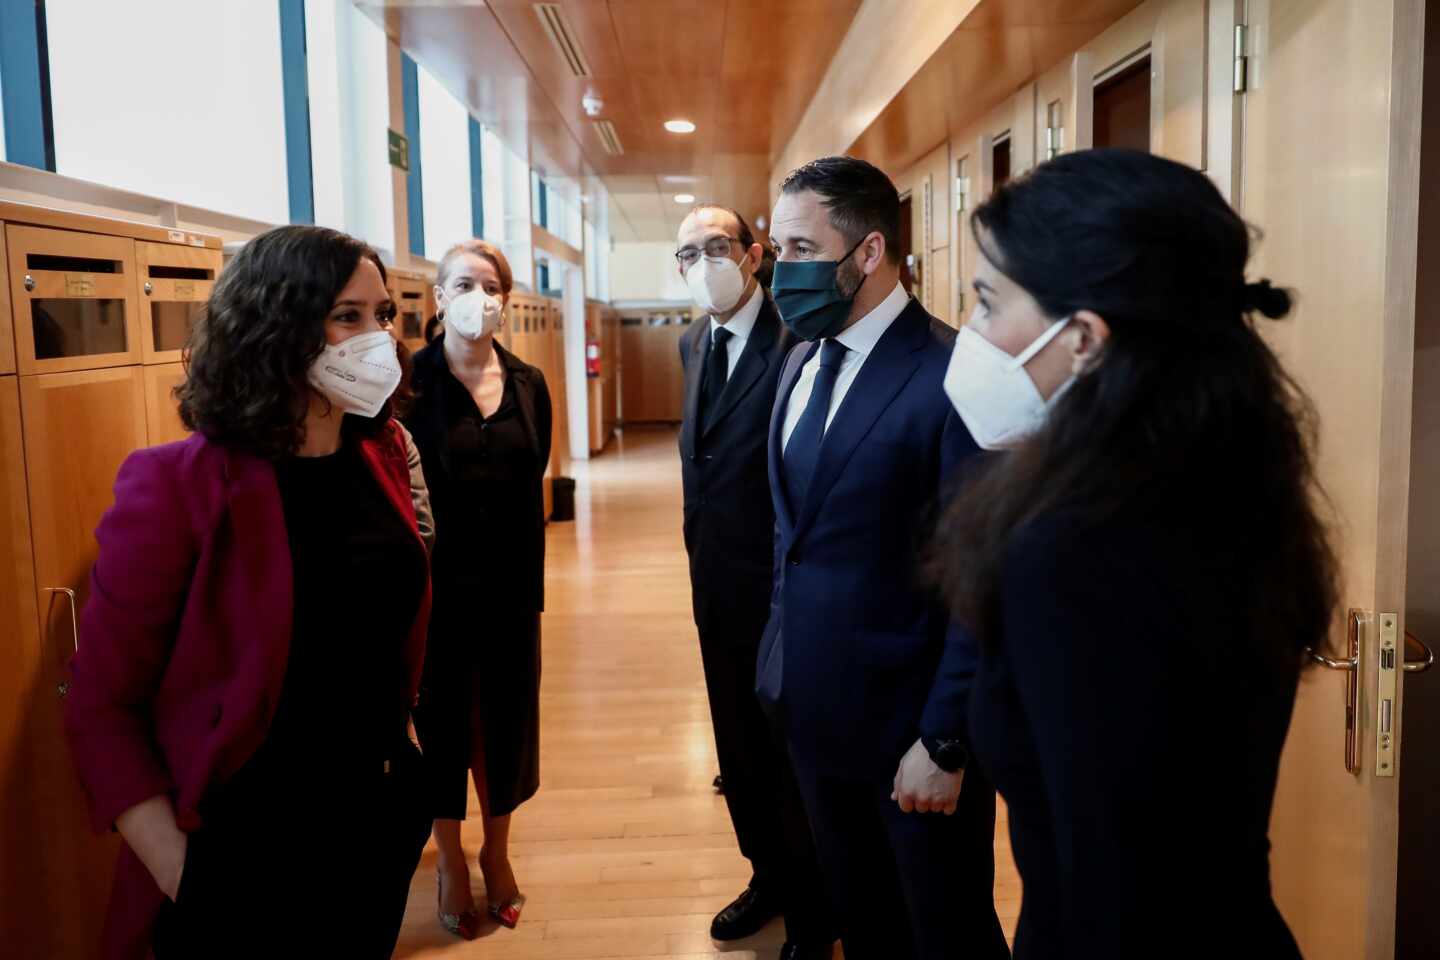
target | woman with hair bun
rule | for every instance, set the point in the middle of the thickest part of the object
(1145, 565)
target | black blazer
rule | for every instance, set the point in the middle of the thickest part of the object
(428, 423)
(859, 657)
(729, 520)
(1135, 741)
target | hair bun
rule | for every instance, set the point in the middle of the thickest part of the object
(1274, 302)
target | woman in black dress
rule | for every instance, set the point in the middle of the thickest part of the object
(482, 422)
(1146, 566)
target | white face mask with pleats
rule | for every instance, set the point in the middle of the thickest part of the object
(715, 284)
(474, 314)
(359, 374)
(992, 391)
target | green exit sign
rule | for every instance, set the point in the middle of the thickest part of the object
(399, 151)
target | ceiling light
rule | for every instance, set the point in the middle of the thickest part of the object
(684, 198)
(679, 126)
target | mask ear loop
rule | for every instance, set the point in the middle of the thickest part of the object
(863, 275)
(1040, 343)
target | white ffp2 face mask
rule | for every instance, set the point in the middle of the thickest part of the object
(474, 314)
(715, 284)
(992, 391)
(358, 375)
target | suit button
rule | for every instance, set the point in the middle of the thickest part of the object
(795, 560)
(703, 501)
(692, 458)
(708, 458)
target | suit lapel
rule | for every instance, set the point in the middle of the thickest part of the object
(749, 371)
(791, 373)
(885, 373)
(695, 376)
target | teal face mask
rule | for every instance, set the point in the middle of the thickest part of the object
(808, 297)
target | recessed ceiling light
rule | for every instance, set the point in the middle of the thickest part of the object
(679, 126)
(684, 198)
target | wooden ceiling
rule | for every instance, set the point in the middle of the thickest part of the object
(742, 70)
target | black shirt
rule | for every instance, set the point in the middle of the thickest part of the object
(359, 574)
(488, 513)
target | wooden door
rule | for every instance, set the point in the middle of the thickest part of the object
(73, 295)
(1339, 226)
(172, 285)
(78, 428)
(162, 412)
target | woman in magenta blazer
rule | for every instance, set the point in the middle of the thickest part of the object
(252, 644)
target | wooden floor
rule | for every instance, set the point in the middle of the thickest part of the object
(626, 851)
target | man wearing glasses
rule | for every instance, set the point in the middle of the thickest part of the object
(732, 362)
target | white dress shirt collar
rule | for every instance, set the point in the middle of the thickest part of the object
(867, 331)
(744, 320)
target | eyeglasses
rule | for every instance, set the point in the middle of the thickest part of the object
(714, 247)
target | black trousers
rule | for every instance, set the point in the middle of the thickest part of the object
(906, 886)
(760, 789)
(281, 873)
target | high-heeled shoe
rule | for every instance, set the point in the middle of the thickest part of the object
(507, 914)
(504, 912)
(465, 924)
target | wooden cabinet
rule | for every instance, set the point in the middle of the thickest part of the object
(411, 293)
(172, 285)
(73, 300)
(162, 412)
(77, 428)
(7, 329)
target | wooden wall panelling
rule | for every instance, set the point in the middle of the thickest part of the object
(1181, 57)
(78, 349)
(178, 299)
(162, 410)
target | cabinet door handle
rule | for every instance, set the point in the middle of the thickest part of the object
(64, 685)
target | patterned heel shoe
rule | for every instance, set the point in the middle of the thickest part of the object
(508, 914)
(465, 925)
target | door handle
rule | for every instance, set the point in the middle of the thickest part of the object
(1350, 665)
(64, 685)
(1428, 655)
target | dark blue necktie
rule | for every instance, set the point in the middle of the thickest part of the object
(802, 453)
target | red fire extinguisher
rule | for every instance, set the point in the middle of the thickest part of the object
(592, 359)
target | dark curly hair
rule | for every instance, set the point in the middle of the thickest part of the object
(1188, 405)
(250, 350)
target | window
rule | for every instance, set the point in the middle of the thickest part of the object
(347, 67)
(444, 166)
(139, 103)
(492, 184)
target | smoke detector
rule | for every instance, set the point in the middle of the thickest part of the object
(592, 104)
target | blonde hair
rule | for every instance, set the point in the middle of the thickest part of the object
(483, 249)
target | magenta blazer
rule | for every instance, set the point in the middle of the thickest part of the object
(185, 639)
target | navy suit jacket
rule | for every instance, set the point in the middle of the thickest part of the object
(859, 657)
(729, 519)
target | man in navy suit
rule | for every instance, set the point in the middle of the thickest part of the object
(858, 660)
(732, 363)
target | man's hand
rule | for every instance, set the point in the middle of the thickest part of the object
(922, 787)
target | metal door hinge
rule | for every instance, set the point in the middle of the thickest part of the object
(1242, 59)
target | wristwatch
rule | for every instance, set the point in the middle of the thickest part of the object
(949, 755)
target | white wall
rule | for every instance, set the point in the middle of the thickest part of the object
(646, 271)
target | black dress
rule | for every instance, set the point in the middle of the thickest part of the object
(1136, 741)
(480, 692)
(334, 799)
